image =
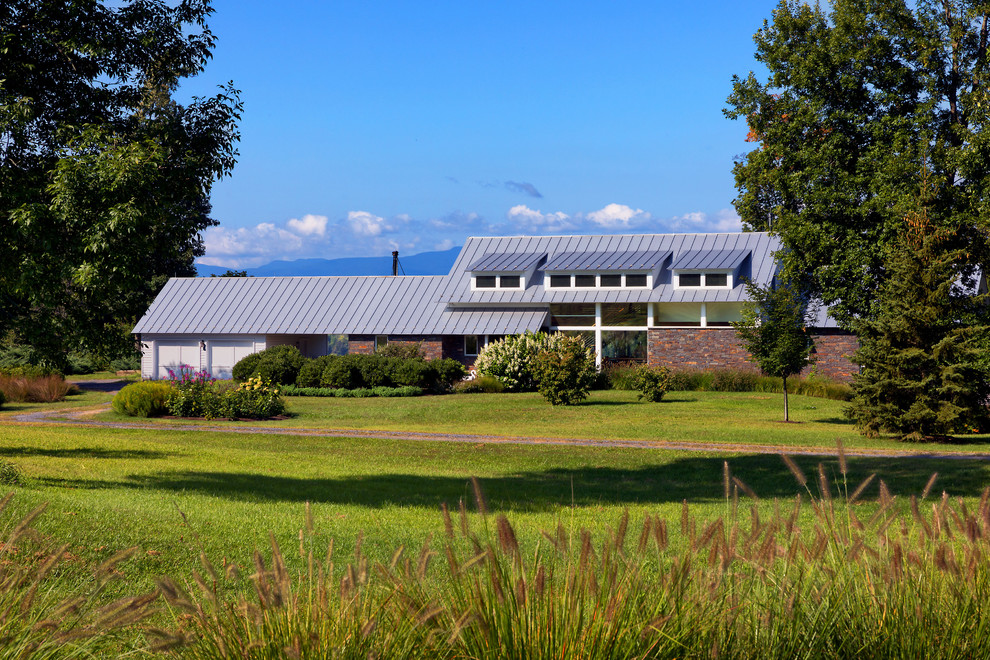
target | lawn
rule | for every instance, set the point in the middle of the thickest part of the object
(173, 492)
(682, 417)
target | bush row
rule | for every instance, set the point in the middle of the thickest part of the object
(407, 390)
(746, 381)
(199, 395)
(284, 365)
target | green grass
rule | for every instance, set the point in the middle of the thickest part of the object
(683, 417)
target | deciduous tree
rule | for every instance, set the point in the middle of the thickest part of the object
(773, 330)
(862, 97)
(104, 178)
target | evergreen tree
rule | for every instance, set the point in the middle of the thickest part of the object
(773, 331)
(924, 372)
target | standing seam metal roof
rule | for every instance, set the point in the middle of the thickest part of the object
(624, 260)
(507, 262)
(709, 259)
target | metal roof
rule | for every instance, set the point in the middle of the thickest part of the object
(623, 260)
(456, 288)
(507, 262)
(709, 259)
(322, 305)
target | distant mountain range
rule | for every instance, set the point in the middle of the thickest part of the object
(424, 263)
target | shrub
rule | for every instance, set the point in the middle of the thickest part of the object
(245, 367)
(129, 363)
(481, 384)
(279, 364)
(341, 372)
(725, 380)
(406, 350)
(449, 372)
(565, 371)
(189, 394)
(621, 377)
(311, 373)
(10, 474)
(652, 382)
(84, 363)
(407, 390)
(255, 398)
(144, 399)
(36, 389)
(511, 360)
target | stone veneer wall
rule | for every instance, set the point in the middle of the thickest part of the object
(720, 348)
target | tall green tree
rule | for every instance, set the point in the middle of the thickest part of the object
(104, 178)
(862, 96)
(924, 372)
(773, 330)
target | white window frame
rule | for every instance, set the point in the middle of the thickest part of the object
(598, 281)
(598, 328)
(498, 282)
(729, 279)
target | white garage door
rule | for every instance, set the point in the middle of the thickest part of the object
(178, 356)
(225, 354)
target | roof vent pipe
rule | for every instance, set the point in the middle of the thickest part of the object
(395, 263)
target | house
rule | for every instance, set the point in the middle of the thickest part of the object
(665, 299)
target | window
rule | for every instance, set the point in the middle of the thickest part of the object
(381, 341)
(635, 280)
(677, 315)
(584, 280)
(581, 315)
(560, 281)
(716, 279)
(509, 282)
(624, 314)
(689, 279)
(471, 344)
(484, 282)
(611, 280)
(721, 315)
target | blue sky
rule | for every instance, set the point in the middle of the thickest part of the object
(373, 126)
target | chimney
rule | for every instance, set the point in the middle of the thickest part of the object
(395, 263)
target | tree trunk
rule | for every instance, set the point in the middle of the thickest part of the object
(786, 413)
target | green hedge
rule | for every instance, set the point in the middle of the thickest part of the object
(361, 392)
(351, 372)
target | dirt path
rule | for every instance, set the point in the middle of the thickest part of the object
(82, 417)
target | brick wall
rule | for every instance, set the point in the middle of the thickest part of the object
(833, 350)
(697, 348)
(720, 348)
(432, 345)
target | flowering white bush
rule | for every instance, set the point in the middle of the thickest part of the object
(511, 360)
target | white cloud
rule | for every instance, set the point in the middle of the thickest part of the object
(366, 224)
(725, 220)
(527, 219)
(619, 216)
(310, 225)
(445, 244)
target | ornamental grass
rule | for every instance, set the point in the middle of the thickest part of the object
(35, 389)
(827, 575)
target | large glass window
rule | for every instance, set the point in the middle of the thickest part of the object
(618, 345)
(624, 314)
(584, 280)
(677, 314)
(587, 336)
(573, 314)
(721, 315)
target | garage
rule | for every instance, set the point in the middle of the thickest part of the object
(176, 354)
(224, 354)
